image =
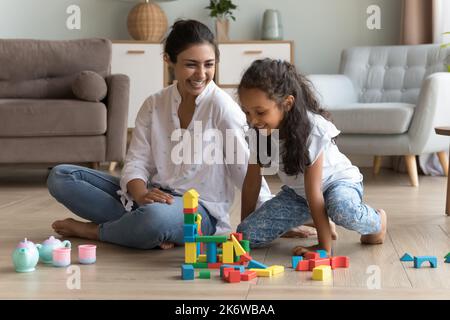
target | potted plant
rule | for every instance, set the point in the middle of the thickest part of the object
(221, 10)
(445, 45)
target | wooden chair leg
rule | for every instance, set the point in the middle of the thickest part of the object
(112, 165)
(376, 164)
(411, 166)
(444, 161)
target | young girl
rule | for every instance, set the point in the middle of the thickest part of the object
(319, 181)
(144, 208)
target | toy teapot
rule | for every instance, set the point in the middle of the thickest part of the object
(25, 256)
(46, 248)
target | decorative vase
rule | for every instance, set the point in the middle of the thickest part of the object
(222, 29)
(147, 21)
(272, 28)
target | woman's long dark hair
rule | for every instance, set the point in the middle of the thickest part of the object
(279, 79)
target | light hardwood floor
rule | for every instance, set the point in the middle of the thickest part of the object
(417, 224)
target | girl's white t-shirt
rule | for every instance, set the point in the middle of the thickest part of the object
(154, 148)
(336, 166)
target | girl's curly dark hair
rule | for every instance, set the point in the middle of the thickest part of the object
(279, 79)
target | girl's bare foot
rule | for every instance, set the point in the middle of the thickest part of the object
(308, 230)
(300, 250)
(72, 228)
(167, 245)
(377, 238)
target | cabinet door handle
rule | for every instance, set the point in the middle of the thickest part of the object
(135, 51)
(253, 51)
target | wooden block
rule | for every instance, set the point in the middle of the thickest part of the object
(227, 252)
(276, 269)
(246, 245)
(200, 265)
(207, 239)
(302, 265)
(223, 267)
(248, 275)
(262, 272)
(245, 258)
(340, 262)
(211, 252)
(237, 246)
(201, 258)
(189, 219)
(214, 265)
(187, 272)
(322, 273)
(318, 262)
(190, 211)
(190, 199)
(421, 259)
(234, 276)
(322, 254)
(190, 252)
(190, 230)
(295, 260)
(256, 264)
(204, 274)
(237, 235)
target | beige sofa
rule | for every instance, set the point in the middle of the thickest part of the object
(41, 119)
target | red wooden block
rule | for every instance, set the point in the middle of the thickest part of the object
(302, 265)
(245, 258)
(189, 211)
(233, 276)
(340, 262)
(214, 265)
(237, 235)
(248, 275)
(311, 255)
(318, 262)
(225, 272)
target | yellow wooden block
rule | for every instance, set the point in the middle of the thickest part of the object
(276, 269)
(237, 246)
(190, 252)
(322, 273)
(198, 222)
(220, 258)
(262, 272)
(227, 252)
(190, 199)
(202, 258)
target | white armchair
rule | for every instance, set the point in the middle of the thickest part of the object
(387, 100)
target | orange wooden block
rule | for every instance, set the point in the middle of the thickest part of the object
(248, 275)
(190, 210)
(237, 235)
(340, 262)
(225, 272)
(302, 265)
(214, 265)
(318, 262)
(311, 255)
(245, 258)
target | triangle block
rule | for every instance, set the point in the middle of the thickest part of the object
(406, 257)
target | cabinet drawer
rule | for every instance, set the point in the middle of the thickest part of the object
(144, 65)
(235, 58)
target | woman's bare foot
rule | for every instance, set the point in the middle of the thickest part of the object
(377, 238)
(167, 245)
(72, 228)
(308, 230)
(300, 250)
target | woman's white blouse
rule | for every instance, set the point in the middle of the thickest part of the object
(155, 154)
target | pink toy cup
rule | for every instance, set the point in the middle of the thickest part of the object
(61, 257)
(87, 253)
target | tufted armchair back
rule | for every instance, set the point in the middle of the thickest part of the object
(392, 73)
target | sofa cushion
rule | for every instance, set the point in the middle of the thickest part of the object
(46, 69)
(41, 118)
(89, 86)
(373, 118)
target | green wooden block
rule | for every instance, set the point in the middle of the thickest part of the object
(189, 218)
(204, 274)
(200, 265)
(447, 256)
(246, 245)
(211, 238)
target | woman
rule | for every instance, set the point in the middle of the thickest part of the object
(145, 208)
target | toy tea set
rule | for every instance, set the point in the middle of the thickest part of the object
(52, 251)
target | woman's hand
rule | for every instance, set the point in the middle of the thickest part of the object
(154, 195)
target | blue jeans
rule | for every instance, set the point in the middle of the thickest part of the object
(91, 195)
(343, 204)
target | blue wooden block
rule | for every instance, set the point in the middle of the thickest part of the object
(189, 239)
(421, 259)
(190, 230)
(256, 264)
(225, 266)
(322, 253)
(211, 252)
(295, 260)
(198, 249)
(447, 260)
(406, 257)
(187, 272)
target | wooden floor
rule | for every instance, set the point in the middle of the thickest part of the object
(417, 225)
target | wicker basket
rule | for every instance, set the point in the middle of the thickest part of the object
(147, 21)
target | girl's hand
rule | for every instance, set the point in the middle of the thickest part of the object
(154, 195)
(300, 250)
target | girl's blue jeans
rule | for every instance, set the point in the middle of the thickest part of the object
(91, 195)
(343, 204)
